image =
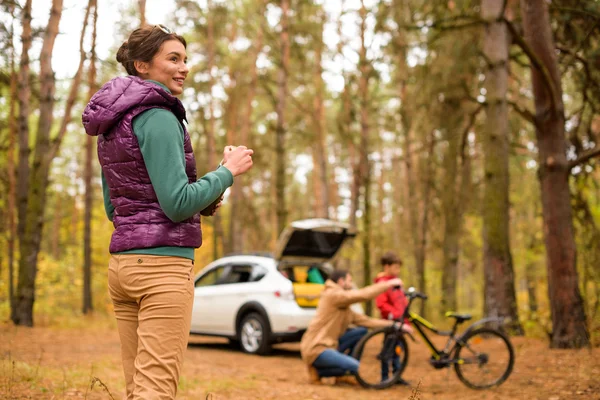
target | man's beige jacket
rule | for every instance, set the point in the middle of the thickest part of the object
(334, 316)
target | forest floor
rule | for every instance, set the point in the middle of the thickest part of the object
(83, 362)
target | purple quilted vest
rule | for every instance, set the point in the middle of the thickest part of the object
(138, 219)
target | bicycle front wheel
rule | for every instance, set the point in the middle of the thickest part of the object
(484, 358)
(383, 355)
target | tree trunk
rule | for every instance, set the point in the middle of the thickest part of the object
(568, 315)
(319, 155)
(364, 167)
(500, 298)
(530, 278)
(353, 158)
(280, 132)
(10, 164)
(422, 227)
(451, 210)
(142, 4)
(24, 93)
(56, 222)
(89, 171)
(234, 241)
(211, 133)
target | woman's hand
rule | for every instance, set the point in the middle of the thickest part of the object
(237, 159)
(226, 153)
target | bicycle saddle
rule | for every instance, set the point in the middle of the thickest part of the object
(459, 317)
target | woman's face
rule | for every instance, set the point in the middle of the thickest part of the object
(168, 66)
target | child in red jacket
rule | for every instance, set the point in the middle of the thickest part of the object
(391, 303)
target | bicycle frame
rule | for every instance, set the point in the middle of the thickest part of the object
(419, 323)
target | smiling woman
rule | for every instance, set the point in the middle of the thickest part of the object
(154, 200)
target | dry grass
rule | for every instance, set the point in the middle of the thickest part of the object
(84, 363)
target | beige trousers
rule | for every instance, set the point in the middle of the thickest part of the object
(152, 297)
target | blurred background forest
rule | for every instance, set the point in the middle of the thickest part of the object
(462, 134)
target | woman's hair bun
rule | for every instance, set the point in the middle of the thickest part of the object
(123, 53)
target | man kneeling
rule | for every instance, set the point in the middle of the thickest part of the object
(328, 341)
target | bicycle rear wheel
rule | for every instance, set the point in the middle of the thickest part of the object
(484, 358)
(383, 355)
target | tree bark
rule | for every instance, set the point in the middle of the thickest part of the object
(234, 243)
(89, 169)
(211, 134)
(12, 183)
(31, 236)
(569, 328)
(500, 298)
(346, 119)
(319, 155)
(142, 5)
(423, 226)
(451, 210)
(24, 93)
(280, 131)
(364, 166)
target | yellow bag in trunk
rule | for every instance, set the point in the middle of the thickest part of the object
(308, 294)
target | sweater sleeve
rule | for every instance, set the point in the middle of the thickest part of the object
(344, 298)
(160, 136)
(368, 322)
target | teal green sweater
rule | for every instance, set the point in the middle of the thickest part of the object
(160, 136)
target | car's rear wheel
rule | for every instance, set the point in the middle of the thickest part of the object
(255, 334)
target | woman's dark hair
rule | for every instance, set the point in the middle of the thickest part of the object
(143, 44)
(338, 274)
(390, 258)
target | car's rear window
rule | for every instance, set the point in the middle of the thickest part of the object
(314, 244)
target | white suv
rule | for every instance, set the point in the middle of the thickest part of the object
(259, 300)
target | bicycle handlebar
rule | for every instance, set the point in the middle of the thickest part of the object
(411, 293)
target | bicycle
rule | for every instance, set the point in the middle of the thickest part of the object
(479, 352)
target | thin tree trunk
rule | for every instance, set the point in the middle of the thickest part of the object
(142, 5)
(280, 131)
(456, 195)
(500, 298)
(569, 328)
(211, 133)
(24, 93)
(56, 220)
(353, 157)
(364, 166)
(399, 198)
(319, 153)
(421, 247)
(89, 172)
(380, 236)
(530, 279)
(452, 217)
(31, 236)
(234, 241)
(10, 164)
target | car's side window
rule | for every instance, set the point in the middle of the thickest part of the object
(212, 277)
(258, 273)
(238, 274)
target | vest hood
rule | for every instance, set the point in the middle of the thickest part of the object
(118, 96)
